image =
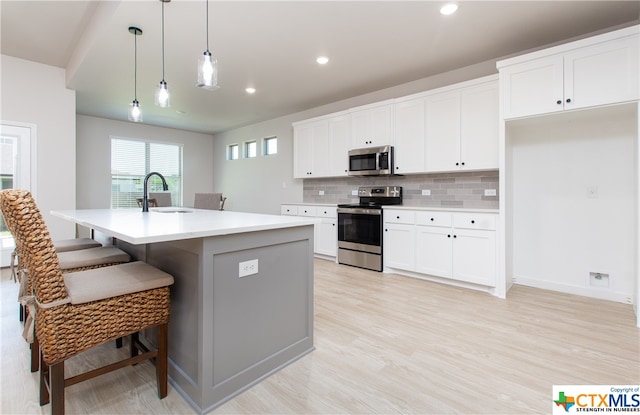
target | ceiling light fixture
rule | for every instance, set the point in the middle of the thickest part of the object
(250, 90)
(322, 60)
(135, 113)
(448, 9)
(162, 91)
(207, 66)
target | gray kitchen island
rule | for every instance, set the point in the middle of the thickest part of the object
(242, 302)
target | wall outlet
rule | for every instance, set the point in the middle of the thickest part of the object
(246, 268)
(426, 192)
(592, 192)
(354, 193)
(490, 192)
(321, 192)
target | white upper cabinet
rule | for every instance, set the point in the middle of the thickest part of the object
(479, 120)
(462, 128)
(596, 71)
(372, 125)
(320, 147)
(410, 129)
(443, 132)
(339, 133)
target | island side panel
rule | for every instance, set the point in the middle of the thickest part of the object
(259, 323)
(185, 261)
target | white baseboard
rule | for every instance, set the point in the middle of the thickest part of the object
(592, 292)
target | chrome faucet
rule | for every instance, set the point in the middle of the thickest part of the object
(145, 196)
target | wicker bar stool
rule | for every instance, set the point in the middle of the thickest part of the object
(73, 255)
(81, 310)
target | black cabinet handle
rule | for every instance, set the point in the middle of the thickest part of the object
(397, 217)
(463, 163)
(448, 236)
(568, 100)
(386, 230)
(457, 164)
(431, 219)
(455, 236)
(559, 102)
(473, 221)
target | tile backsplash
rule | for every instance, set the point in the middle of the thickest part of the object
(447, 190)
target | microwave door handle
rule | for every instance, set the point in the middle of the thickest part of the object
(378, 161)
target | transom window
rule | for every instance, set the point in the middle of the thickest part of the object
(270, 146)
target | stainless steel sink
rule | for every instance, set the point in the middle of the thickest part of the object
(172, 210)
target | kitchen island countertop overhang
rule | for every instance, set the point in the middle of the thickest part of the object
(176, 223)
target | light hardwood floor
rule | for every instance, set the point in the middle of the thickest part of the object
(384, 344)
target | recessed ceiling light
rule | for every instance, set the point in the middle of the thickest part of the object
(250, 90)
(322, 60)
(448, 9)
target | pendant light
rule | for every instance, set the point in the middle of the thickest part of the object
(135, 112)
(162, 91)
(207, 65)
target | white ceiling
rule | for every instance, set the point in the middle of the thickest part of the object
(273, 45)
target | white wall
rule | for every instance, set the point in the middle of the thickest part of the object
(94, 157)
(560, 232)
(36, 94)
(262, 184)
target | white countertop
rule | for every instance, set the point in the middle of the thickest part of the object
(175, 223)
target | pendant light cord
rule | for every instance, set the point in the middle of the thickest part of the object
(207, 25)
(162, 40)
(135, 65)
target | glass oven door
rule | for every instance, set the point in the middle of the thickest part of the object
(360, 229)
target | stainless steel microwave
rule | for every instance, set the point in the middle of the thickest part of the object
(371, 161)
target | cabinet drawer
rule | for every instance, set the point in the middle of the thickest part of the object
(289, 210)
(433, 219)
(306, 211)
(485, 221)
(399, 216)
(326, 212)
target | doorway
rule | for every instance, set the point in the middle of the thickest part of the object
(16, 152)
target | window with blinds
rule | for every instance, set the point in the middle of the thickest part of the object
(132, 160)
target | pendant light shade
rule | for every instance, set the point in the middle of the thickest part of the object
(135, 112)
(207, 65)
(162, 90)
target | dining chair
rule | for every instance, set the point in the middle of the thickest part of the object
(80, 310)
(212, 201)
(163, 199)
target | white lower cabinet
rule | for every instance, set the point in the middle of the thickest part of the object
(325, 233)
(452, 245)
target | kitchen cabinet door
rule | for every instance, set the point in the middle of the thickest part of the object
(372, 126)
(310, 142)
(434, 251)
(533, 87)
(339, 140)
(409, 126)
(474, 256)
(443, 132)
(602, 74)
(479, 122)
(326, 237)
(399, 246)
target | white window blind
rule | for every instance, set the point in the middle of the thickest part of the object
(132, 160)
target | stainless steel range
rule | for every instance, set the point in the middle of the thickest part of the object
(360, 227)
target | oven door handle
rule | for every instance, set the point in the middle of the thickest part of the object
(361, 211)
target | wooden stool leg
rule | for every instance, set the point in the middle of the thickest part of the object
(161, 361)
(56, 383)
(134, 344)
(44, 382)
(35, 354)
